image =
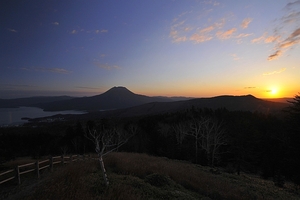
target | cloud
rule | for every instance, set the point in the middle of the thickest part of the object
(287, 30)
(272, 39)
(179, 39)
(275, 55)
(223, 35)
(207, 29)
(266, 39)
(174, 33)
(55, 23)
(259, 39)
(12, 30)
(106, 66)
(198, 38)
(250, 87)
(235, 57)
(45, 69)
(187, 29)
(293, 39)
(74, 32)
(242, 35)
(292, 4)
(291, 17)
(275, 72)
(214, 3)
(245, 23)
(101, 31)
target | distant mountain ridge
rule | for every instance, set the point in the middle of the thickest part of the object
(119, 101)
(114, 98)
(231, 103)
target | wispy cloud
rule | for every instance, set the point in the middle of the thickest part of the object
(101, 31)
(73, 31)
(250, 87)
(292, 4)
(106, 66)
(203, 35)
(271, 39)
(291, 17)
(198, 38)
(245, 23)
(12, 30)
(291, 40)
(174, 33)
(275, 72)
(242, 35)
(214, 3)
(259, 39)
(45, 69)
(275, 55)
(235, 57)
(55, 23)
(287, 31)
(223, 35)
(182, 31)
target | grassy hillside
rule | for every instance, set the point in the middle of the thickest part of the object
(139, 176)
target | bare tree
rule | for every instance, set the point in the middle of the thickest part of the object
(196, 129)
(213, 137)
(208, 134)
(180, 130)
(106, 141)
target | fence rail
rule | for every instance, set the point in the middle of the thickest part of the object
(38, 166)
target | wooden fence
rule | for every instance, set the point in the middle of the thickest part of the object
(38, 166)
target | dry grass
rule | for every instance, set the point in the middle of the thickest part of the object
(139, 176)
(198, 178)
(68, 182)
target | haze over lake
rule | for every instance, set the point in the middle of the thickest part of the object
(13, 116)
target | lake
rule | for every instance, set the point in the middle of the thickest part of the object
(13, 116)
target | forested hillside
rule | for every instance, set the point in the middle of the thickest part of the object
(240, 141)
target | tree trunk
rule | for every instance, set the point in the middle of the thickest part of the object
(196, 151)
(103, 170)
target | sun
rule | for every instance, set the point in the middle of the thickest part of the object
(273, 92)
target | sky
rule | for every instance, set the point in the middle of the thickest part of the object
(190, 48)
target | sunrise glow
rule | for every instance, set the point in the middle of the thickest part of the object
(154, 48)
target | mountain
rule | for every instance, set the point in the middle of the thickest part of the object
(119, 101)
(114, 98)
(231, 103)
(30, 101)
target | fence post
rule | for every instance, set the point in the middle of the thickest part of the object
(18, 175)
(37, 167)
(62, 160)
(51, 163)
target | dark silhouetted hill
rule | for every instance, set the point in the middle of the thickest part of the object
(231, 103)
(115, 98)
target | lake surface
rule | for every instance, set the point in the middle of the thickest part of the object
(13, 116)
